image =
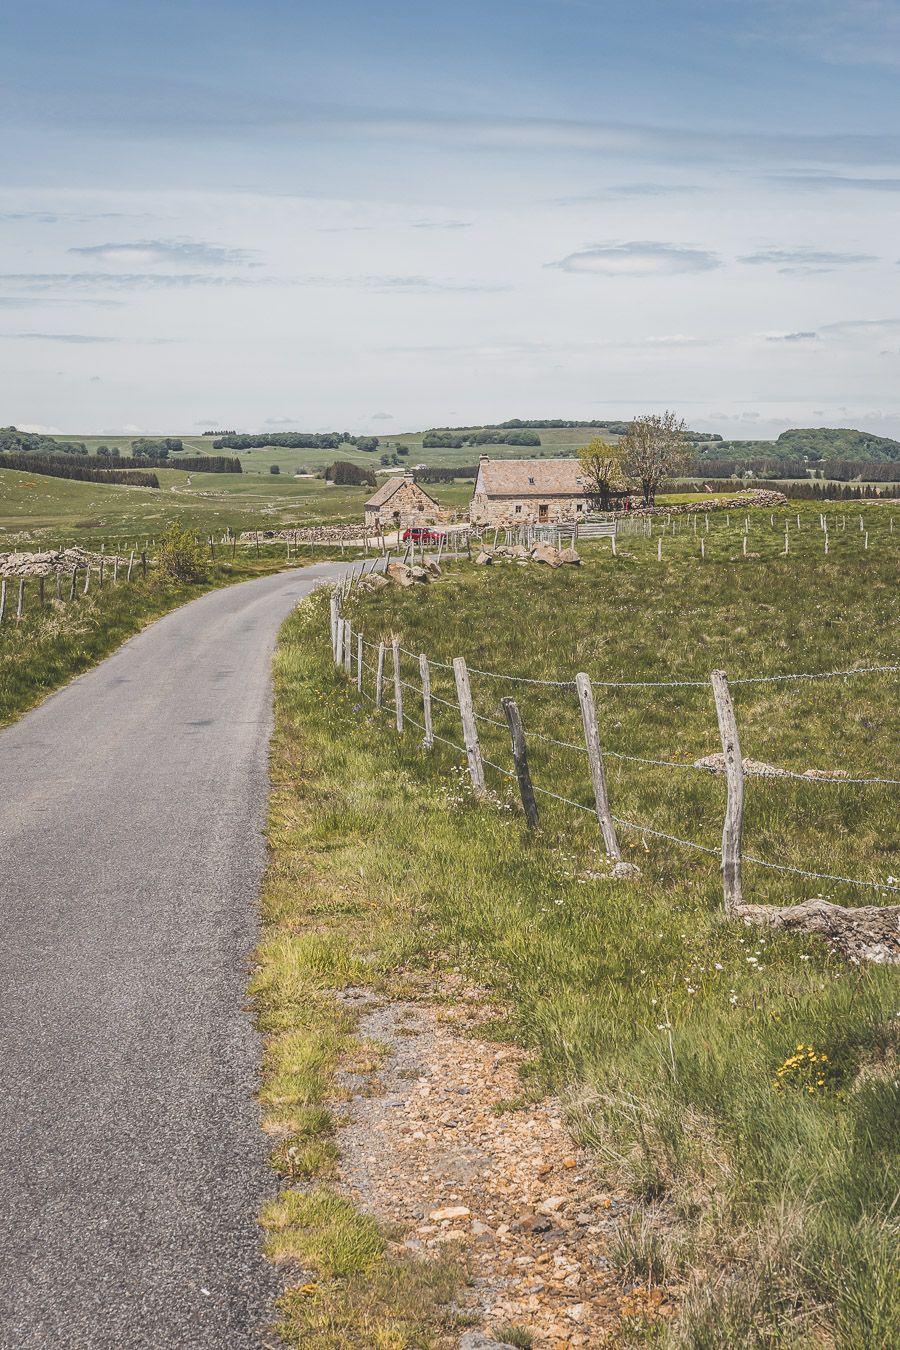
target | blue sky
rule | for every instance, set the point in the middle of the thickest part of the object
(398, 215)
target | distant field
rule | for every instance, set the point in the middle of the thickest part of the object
(554, 441)
(62, 510)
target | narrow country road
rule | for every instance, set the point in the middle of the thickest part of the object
(131, 1161)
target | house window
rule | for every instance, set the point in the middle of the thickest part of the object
(543, 512)
(518, 510)
(580, 506)
(531, 482)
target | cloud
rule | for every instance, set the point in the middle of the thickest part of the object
(862, 327)
(382, 417)
(442, 224)
(122, 281)
(410, 285)
(279, 422)
(46, 302)
(189, 252)
(805, 261)
(825, 181)
(624, 140)
(77, 339)
(809, 336)
(626, 191)
(638, 259)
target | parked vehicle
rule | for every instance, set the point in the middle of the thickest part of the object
(422, 534)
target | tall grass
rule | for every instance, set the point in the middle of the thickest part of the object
(770, 1198)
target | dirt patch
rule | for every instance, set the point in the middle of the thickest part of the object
(443, 1146)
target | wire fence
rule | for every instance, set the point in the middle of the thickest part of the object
(350, 648)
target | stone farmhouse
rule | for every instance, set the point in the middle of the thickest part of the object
(400, 501)
(528, 492)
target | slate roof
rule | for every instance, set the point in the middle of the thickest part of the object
(390, 486)
(530, 478)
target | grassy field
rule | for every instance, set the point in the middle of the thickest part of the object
(739, 1085)
(40, 507)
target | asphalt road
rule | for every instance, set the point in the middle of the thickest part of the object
(131, 1161)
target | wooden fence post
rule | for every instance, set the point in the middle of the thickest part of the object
(116, 569)
(398, 687)
(335, 610)
(520, 760)
(20, 606)
(359, 662)
(595, 759)
(74, 580)
(2, 598)
(130, 565)
(100, 573)
(425, 673)
(470, 730)
(734, 776)
(379, 676)
(347, 647)
(87, 579)
(144, 565)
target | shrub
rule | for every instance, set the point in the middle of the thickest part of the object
(181, 556)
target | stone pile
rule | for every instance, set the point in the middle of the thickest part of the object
(47, 564)
(310, 534)
(539, 553)
(402, 575)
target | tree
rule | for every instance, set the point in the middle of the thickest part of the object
(601, 470)
(343, 473)
(180, 554)
(653, 448)
(274, 468)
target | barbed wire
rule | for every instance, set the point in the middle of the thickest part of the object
(640, 828)
(820, 876)
(809, 778)
(661, 684)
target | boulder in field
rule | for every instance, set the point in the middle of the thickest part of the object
(399, 574)
(570, 556)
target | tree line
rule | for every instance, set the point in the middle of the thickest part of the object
(344, 474)
(451, 440)
(294, 440)
(72, 466)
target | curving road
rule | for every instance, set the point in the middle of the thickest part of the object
(131, 1160)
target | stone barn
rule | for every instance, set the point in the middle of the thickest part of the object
(528, 492)
(400, 501)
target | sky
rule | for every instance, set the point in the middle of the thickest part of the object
(380, 217)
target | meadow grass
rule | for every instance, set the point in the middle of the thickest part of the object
(766, 1198)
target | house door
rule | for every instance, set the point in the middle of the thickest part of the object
(543, 512)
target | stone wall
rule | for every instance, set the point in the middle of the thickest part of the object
(500, 511)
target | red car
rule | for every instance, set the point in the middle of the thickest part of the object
(422, 534)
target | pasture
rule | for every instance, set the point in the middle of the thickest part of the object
(737, 1085)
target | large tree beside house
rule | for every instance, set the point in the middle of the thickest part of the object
(602, 472)
(653, 448)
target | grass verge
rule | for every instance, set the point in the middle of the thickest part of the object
(768, 1198)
